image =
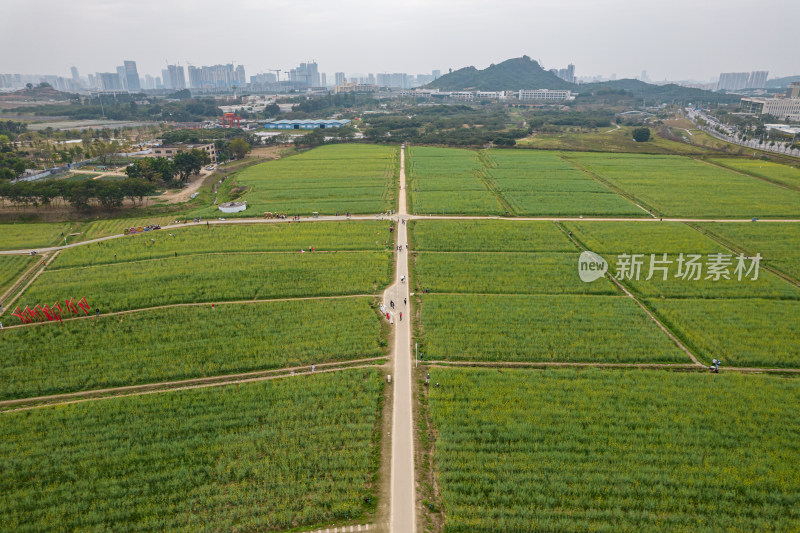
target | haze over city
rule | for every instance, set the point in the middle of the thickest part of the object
(675, 40)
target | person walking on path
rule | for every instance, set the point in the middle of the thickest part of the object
(405, 301)
(401, 316)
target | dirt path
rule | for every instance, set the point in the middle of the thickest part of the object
(660, 366)
(171, 386)
(403, 492)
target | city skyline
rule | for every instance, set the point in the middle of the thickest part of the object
(423, 36)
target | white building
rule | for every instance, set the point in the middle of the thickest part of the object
(780, 108)
(545, 95)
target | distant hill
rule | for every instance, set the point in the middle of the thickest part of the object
(511, 75)
(43, 91)
(781, 83)
(661, 93)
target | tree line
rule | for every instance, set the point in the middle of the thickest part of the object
(86, 194)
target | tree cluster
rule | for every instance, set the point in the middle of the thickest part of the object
(86, 194)
(161, 169)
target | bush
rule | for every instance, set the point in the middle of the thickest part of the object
(641, 135)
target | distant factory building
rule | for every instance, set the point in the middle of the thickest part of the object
(305, 124)
(544, 94)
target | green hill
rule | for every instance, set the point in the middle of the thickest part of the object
(511, 75)
(781, 83)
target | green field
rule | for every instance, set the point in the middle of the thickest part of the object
(283, 237)
(262, 456)
(611, 139)
(487, 236)
(740, 332)
(185, 342)
(11, 267)
(680, 186)
(214, 278)
(615, 451)
(332, 179)
(503, 273)
(537, 328)
(24, 236)
(778, 243)
(448, 181)
(784, 174)
(535, 183)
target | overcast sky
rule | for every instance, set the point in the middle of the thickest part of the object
(674, 39)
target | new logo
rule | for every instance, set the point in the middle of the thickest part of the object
(591, 266)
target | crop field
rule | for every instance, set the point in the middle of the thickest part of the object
(784, 174)
(262, 456)
(615, 451)
(488, 236)
(117, 226)
(503, 273)
(778, 243)
(542, 183)
(448, 181)
(743, 322)
(11, 267)
(611, 139)
(740, 332)
(24, 236)
(331, 179)
(185, 342)
(282, 237)
(214, 278)
(536, 328)
(679, 186)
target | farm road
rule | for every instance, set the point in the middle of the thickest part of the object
(403, 498)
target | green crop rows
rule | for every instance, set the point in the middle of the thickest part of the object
(323, 236)
(214, 278)
(24, 236)
(743, 322)
(487, 236)
(680, 186)
(784, 174)
(331, 179)
(534, 328)
(541, 183)
(11, 267)
(778, 243)
(615, 451)
(447, 181)
(186, 342)
(262, 456)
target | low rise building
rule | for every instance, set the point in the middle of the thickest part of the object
(780, 108)
(355, 88)
(305, 124)
(545, 95)
(170, 150)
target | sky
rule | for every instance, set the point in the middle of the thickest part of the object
(675, 39)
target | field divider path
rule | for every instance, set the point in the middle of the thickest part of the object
(10, 304)
(21, 404)
(732, 247)
(644, 308)
(644, 366)
(196, 304)
(19, 281)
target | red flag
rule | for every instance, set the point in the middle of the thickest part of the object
(85, 306)
(71, 306)
(21, 315)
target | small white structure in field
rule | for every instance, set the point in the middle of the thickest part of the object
(233, 207)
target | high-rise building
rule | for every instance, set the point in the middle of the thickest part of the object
(75, 77)
(195, 81)
(758, 79)
(109, 81)
(132, 76)
(165, 79)
(149, 82)
(92, 81)
(123, 82)
(240, 77)
(177, 80)
(436, 74)
(733, 81)
(339, 78)
(323, 80)
(159, 83)
(306, 75)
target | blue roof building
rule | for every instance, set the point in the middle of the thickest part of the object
(305, 124)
